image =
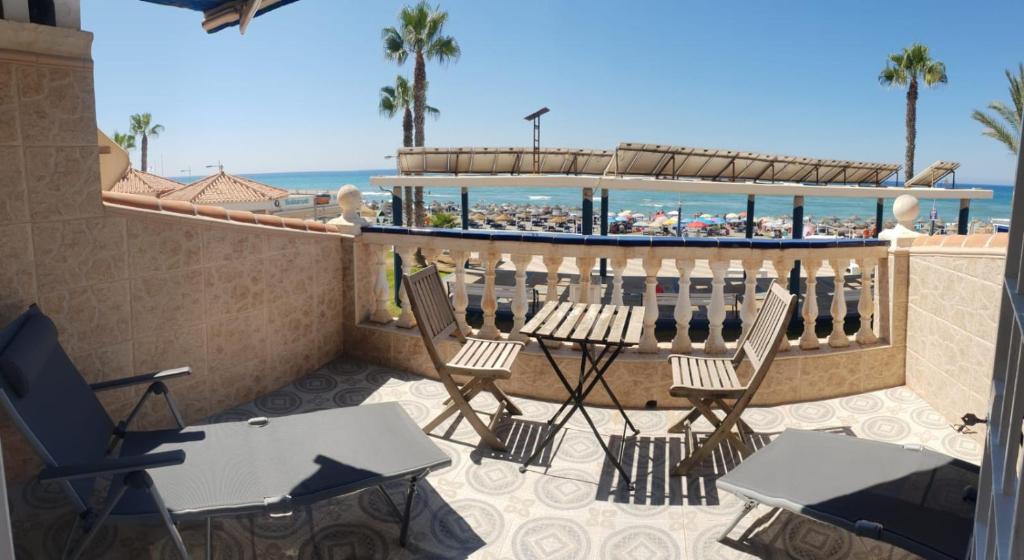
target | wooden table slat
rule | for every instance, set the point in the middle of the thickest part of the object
(619, 323)
(636, 326)
(583, 327)
(538, 319)
(569, 324)
(554, 319)
(600, 331)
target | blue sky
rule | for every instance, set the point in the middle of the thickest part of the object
(299, 91)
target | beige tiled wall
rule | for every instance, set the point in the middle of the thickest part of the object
(953, 310)
(248, 307)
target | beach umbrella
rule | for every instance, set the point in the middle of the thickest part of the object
(743, 214)
(638, 216)
(696, 225)
(705, 215)
(640, 224)
(671, 221)
(731, 216)
(673, 213)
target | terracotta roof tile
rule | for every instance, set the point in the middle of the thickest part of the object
(139, 182)
(222, 188)
(214, 212)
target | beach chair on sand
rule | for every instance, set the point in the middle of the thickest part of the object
(904, 495)
(709, 382)
(483, 361)
(259, 465)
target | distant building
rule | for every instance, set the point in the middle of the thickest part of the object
(233, 192)
(139, 182)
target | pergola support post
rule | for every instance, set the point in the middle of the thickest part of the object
(396, 219)
(879, 212)
(604, 229)
(464, 207)
(965, 216)
(750, 217)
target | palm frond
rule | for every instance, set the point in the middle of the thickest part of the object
(1010, 115)
(935, 73)
(394, 45)
(444, 50)
(432, 111)
(997, 130)
(156, 130)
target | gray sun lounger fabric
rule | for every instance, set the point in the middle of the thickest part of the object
(240, 467)
(910, 497)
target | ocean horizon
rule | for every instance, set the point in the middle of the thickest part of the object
(636, 201)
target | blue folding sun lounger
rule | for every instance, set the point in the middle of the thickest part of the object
(907, 496)
(267, 465)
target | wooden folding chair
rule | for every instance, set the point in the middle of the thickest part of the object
(484, 361)
(709, 382)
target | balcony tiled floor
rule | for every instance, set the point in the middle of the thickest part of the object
(568, 507)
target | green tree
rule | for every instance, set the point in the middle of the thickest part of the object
(420, 35)
(907, 69)
(141, 125)
(398, 99)
(442, 220)
(126, 141)
(1007, 132)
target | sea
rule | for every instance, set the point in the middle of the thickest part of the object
(638, 201)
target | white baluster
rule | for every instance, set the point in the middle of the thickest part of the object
(519, 304)
(866, 305)
(551, 264)
(748, 311)
(586, 266)
(715, 344)
(406, 319)
(809, 338)
(684, 309)
(783, 266)
(648, 341)
(461, 299)
(379, 265)
(489, 302)
(618, 266)
(838, 338)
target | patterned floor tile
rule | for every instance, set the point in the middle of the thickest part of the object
(568, 505)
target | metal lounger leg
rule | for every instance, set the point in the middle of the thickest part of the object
(403, 536)
(71, 533)
(92, 528)
(142, 481)
(209, 538)
(748, 507)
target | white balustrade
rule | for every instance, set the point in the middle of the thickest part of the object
(838, 338)
(648, 341)
(866, 306)
(378, 270)
(519, 305)
(618, 267)
(809, 338)
(489, 301)
(715, 344)
(749, 308)
(684, 310)
(551, 264)
(873, 318)
(406, 320)
(585, 266)
(783, 264)
(461, 299)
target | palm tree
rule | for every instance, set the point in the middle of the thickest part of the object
(1009, 132)
(906, 69)
(420, 34)
(126, 141)
(141, 126)
(395, 99)
(398, 98)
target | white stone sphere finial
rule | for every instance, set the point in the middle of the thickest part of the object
(350, 200)
(906, 209)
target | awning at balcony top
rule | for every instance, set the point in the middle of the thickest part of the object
(644, 160)
(933, 174)
(218, 14)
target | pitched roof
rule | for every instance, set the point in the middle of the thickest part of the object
(139, 182)
(222, 188)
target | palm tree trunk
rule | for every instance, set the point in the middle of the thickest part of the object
(407, 129)
(419, 104)
(911, 129)
(145, 150)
